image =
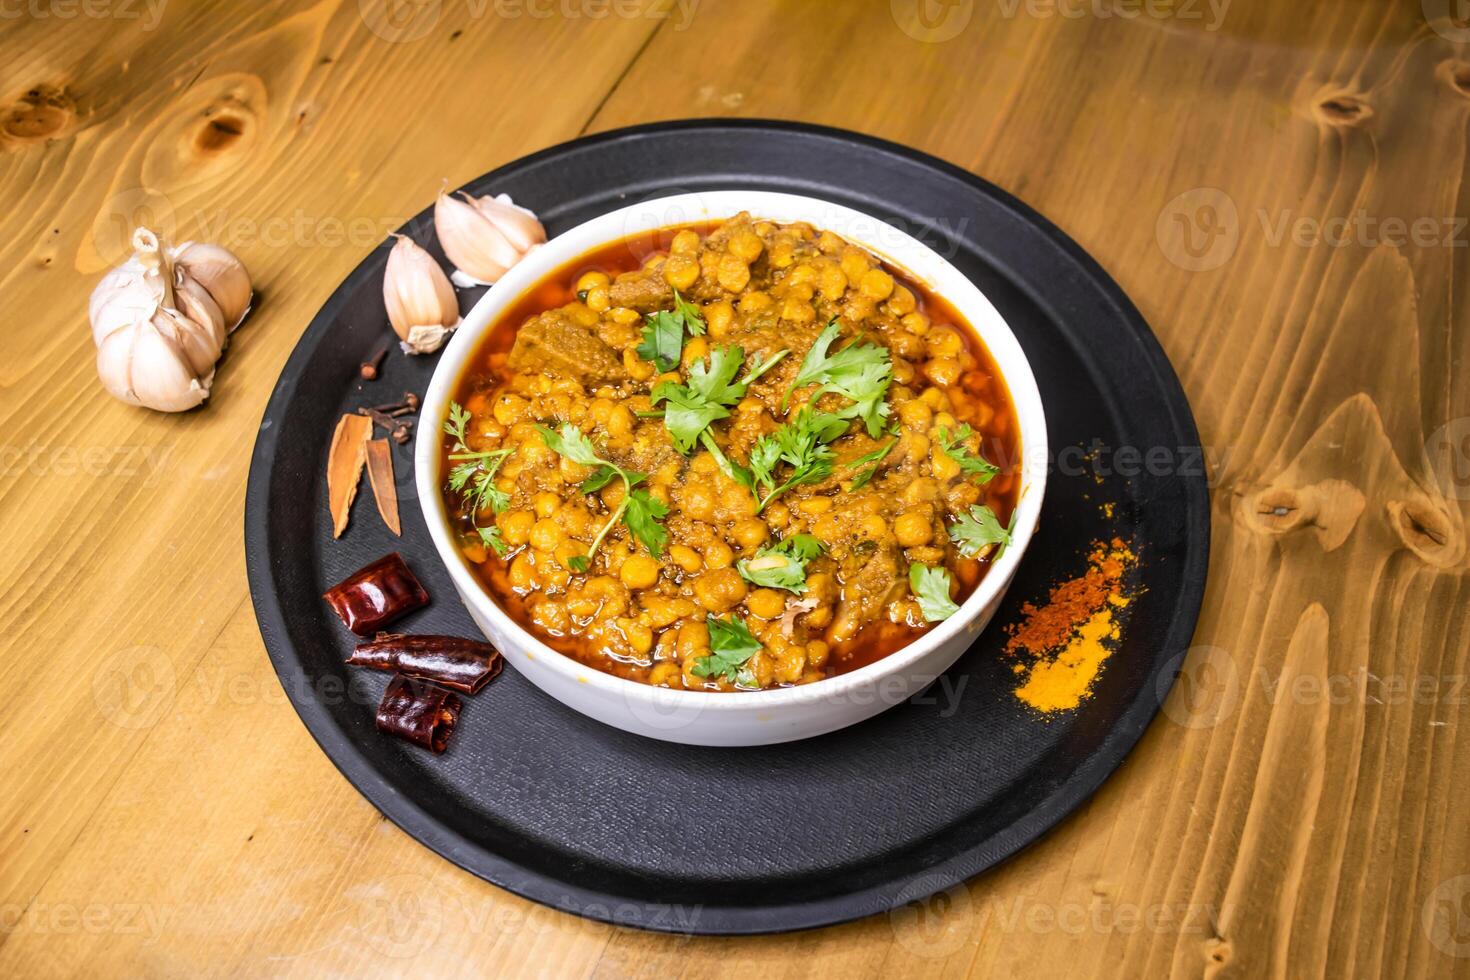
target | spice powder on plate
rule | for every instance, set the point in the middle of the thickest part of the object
(1072, 635)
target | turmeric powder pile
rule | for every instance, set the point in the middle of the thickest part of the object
(1073, 634)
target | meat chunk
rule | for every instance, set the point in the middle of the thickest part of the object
(867, 590)
(644, 291)
(552, 343)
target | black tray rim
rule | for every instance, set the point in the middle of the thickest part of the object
(1070, 795)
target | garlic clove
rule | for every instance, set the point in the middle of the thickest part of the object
(516, 223)
(421, 303)
(145, 367)
(123, 295)
(197, 304)
(222, 274)
(198, 343)
(471, 241)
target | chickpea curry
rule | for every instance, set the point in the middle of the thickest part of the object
(731, 457)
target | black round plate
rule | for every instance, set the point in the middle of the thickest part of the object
(565, 811)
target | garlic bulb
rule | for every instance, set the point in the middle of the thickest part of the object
(483, 237)
(421, 303)
(159, 327)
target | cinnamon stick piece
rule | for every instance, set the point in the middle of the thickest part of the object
(380, 477)
(345, 461)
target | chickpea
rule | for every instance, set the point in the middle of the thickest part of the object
(522, 573)
(778, 514)
(639, 572)
(686, 242)
(551, 616)
(915, 323)
(913, 528)
(944, 342)
(717, 317)
(914, 414)
(874, 527)
(681, 271)
(944, 420)
(902, 302)
(942, 465)
(812, 506)
(796, 310)
(761, 668)
(717, 554)
(790, 663)
(765, 603)
(665, 675)
(829, 243)
(781, 253)
(943, 371)
(719, 590)
(817, 653)
(515, 526)
(509, 409)
(855, 263)
(564, 553)
(619, 423)
(832, 281)
(598, 299)
(685, 557)
(750, 533)
(755, 302)
(572, 472)
(746, 245)
(545, 503)
(921, 491)
(876, 284)
(698, 501)
(545, 535)
(696, 349)
(733, 274)
(692, 640)
(934, 398)
(589, 281)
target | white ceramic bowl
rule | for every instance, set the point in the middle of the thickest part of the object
(758, 717)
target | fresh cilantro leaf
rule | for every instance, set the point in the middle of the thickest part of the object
(693, 318)
(802, 444)
(709, 394)
(731, 644)
(492, 539)
(729, 467)
(639, 510)
(663, 340)
(931, 587)
(977, 531)
(663, 333)
(473, 474)
(971, 464)
(871, 460)
(860, 372)
(783, 565)
(644, 511)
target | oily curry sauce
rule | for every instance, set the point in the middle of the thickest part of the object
(574, 351)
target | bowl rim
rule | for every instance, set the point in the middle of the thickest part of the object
(967, 299)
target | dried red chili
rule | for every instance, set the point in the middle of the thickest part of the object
(374, 596)
(463, 665)
(419, 713)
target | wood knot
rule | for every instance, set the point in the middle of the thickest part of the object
(1218, 952)
(40, 114)
(1427, 531)
(219, 132)
(1343, 109)
(1455, 74)
(1330, 509)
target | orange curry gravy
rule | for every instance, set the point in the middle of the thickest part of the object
(978, 397)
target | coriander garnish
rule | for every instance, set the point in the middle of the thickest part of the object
(782, 565)
(800, 443)
(663, 334)
(731, 644)
(639, 509)
(871, 461)
(473, 476)
(931, 587)
(971, 464)
(709, 394)
(975, 532)
(859, 371)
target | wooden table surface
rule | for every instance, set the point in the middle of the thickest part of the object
(1277, 186)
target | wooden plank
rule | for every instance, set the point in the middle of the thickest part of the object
(1294, 811)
